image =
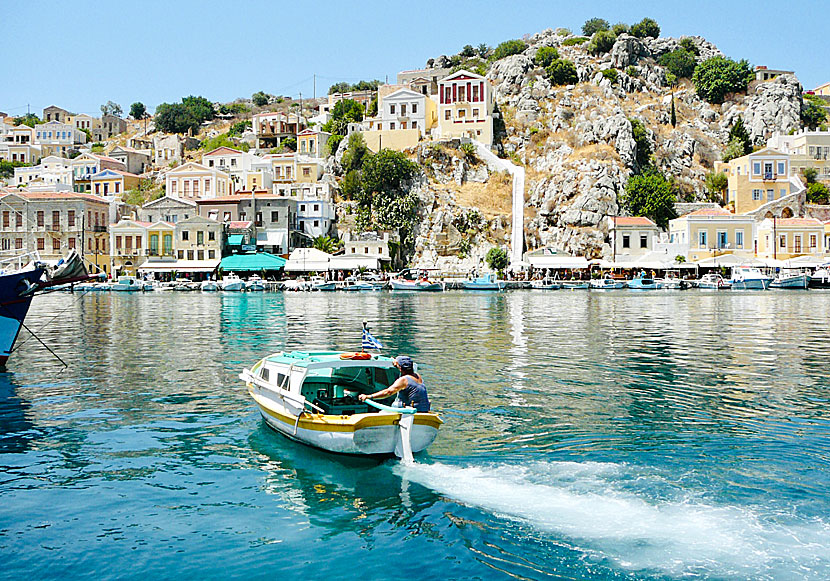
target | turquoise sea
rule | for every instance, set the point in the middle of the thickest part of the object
(618, 435)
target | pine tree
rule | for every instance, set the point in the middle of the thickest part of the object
(738, 131)
(673, 114)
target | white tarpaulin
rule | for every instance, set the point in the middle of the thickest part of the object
(730, 260)
(557, 261)
(180, 266)
(353, 262)
(271, 238)
(308, 260)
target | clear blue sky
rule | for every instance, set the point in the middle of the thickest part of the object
(80, 54)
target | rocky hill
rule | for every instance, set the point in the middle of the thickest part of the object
(578, 143)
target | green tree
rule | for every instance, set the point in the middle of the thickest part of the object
(239, 128)
(650, 194)
(718, 76)
(7, 167)
(647, 27)
(356, 153)
(602, 42)
(610, 74)
(673, 112)
(733, 150)
(813, 113)
(199, 107)
(497, 259)
(111, 108)
(373, 107)
(384, 201)
(818, 193)
(620, 28)
(594, 25)
(341, 87)
(30, 120)
(680, 63)
(561, 72)
(810, 174)
(507, 48)
(289, 143)
(545, 55)
(644, 148)
(260, 99)
(174, 118)
(483, 50)
(223, 140)
(689, 45)
(468, 51)
(351, 187)
(138, 110)
(738, 132)
(716, 183)
(326, 244)
(348, 110)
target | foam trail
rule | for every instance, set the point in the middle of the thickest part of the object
(591, 504)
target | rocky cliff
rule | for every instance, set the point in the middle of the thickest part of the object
(577, 141)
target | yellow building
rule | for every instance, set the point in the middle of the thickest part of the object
(823, 90)
(308, 170)
(465, 107)
(806, 149)
(128, 240)
(160, 240)
(785, 238)
(283, 167)
(756, 179)
(194, 180)
(113, 183)
(312, 142)
(712, 232)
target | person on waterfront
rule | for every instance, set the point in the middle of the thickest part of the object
(409, 387)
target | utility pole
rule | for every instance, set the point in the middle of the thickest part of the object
(315, 85)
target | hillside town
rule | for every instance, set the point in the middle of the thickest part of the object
(492, 139)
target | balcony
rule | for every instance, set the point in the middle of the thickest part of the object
(97, 228)
(129, 252)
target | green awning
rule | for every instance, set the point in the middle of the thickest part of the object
(235, 239)
(252, 262)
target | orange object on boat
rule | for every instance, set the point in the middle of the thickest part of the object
(357, 356)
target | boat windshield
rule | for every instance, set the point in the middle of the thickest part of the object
(335, 389)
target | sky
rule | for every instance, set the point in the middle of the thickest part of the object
(81, 54)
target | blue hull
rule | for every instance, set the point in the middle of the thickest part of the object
(13, 307)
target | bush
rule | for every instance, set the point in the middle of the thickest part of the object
(575, 40)
(813, 113)
(468, 51)
(594, 25)
(497, 259)
(348, 110)
(643, 156)
(632, 71)
(223, 140)
(610, 74)
(739, 133)
(562, 72)
(259, 99)
(810, 174)
(602, 42)
(680, 63)
(689, 45)
(620, 28)
(7, 167)
(647, 27)
(356, 153)
(239, 128)
(733, 150)
(818, 194)
(507, 48)
(351, 186)
(563, 31)
(545, 55)
(469, 151)
(718, 76)
(716, 183)
(650, 194)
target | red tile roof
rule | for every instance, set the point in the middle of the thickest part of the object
(798, 222)
(236, 224)
(62, 196)
(710, 212)
(223, 151)
(633, 221)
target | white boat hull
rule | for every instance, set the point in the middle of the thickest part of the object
(234, 287)
(373, 434)
(751, 284)
(422, 286)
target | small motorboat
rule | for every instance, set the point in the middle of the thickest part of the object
(352, 284)
(713, 281)
(414, 280)
(312, 397)
(546, 284)
(749, 278)
(209, 286)
(576, 285)
(127, 284)
(607, 283)
(791, 280)
(185, 285)
(232, 283)
(820, 277)
(318, 283)
(642, 282)
(255, 284)
(373, 279)
(485, 282)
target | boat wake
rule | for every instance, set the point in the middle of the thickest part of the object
(639, 520)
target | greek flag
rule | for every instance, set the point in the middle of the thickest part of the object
(370, 342)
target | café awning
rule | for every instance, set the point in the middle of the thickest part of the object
(253, 262)
(308, 260)
(235, 239)
(180, 266)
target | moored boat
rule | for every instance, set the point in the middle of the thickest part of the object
(749, 278)
(485, 282)
(231, 282)
(713, 281)
(318, 283)
(607, 283)
(255, 284)
(414, 280)
(576, 285)
(312, 397)
(642, 282)
(209, 286)
(546, 284)
(820, 277)
(127, 284)
(792, 280)
(352, 284)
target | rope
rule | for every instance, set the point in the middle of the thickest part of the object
(43, 326)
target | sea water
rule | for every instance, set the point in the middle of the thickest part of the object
(587, 435)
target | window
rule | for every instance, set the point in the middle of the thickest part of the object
(56, 219)
(56, 244)
(207, 186)
(128, 243)
(18, 243)
(18, 220)
(185, 235)
(813, 240)
(275, 216)
(475, 113)
(211, 254)
(6, 219)
(447, 95)
(173, 185)
(316, 223)
(392, 109)
(643, 240)
(782, 241)
(259, 219)
(186, 188)
(781, 168)
(366, 250)
(756, 168)
(190, 255)
(40, 219)
(461, 113)
(316, 207)
(307, 170)
(782, 192)
(196, 188)
(117, 187)
(701, 239)
(154, 244)
(168, 244)
(797, 242)
(233, 162)
(118, 242)
(403, 109)
(475, 92)
(414, 108)
(739, 238)
(181, 254)
(242, 216)
(461, 93)
(200, 255)
(757, 195)
(200, 237)
(70, 219)
(41, 243)
(210, 163)
(226, 217)
(447, 115)
(626, 240)
(403, 125)
(138, 242)
(392, 125)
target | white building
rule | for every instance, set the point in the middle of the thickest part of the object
(237, 164)
(52, 170)
(465, 107)
(406, 109)
(315, 217)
